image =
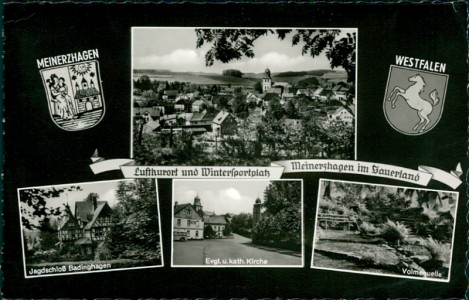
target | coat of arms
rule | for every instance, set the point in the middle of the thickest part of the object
(74, 95)
(414, 99)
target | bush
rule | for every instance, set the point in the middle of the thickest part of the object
(366, 228)
(394, 232)
(327, 205)
(209, 233)
(102, 252)
(374, 258)
(440, 252)
(363, 210)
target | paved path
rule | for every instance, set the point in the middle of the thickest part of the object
(237, 252)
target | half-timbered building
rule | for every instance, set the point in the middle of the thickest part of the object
(90, 224)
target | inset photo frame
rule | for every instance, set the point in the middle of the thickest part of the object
(90, 227)
(384, 230)
(223, 223)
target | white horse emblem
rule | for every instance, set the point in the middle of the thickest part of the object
(413, 99)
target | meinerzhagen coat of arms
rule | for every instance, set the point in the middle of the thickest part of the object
(74, 92)
(414, 99)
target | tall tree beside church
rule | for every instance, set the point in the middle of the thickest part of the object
(282, 221)
(231, 44)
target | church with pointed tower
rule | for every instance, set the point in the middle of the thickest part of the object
(256, 212)
(190, 220)
(266, 81)
(188, 223)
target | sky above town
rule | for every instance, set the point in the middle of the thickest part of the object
(220, 196)
(175, 49)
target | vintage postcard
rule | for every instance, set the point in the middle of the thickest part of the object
(289, 150)
(237, 223)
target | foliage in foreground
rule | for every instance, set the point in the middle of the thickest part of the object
(367, 228)
(394, 232)
(282, 221)
(371, 258)
(440, 252)
(135, 233)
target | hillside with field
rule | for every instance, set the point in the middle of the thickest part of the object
(248, 79)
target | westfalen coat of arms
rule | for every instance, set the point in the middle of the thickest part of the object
(414, 99)
(74, 95)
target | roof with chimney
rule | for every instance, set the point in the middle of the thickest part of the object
(88, 210)
(102, 209)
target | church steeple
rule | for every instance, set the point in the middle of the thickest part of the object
(256, 211)
(267, 80)
(197, 203)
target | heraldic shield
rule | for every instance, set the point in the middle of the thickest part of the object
(74, 95)
(414, 99)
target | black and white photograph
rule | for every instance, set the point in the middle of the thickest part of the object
(254, 223)
(242, 96)
(90, 227)
(384, 230)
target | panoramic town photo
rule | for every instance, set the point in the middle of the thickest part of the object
(384, 230)
(90, 227)
(242, 96)
(254, 223)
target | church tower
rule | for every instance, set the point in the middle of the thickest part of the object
(256, 212)
(266, 81)
(197, 204)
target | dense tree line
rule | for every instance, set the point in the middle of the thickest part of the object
(242, 224)
(281, 222)
(135, 233)
(233, 73)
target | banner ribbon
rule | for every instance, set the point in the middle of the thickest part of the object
(422, 176)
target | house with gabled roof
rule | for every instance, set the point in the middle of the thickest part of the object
(339, 95)
(253, 97)
(202, 118)
(188, 220)
(90, 224)
(170, 94)
(151, 126)
(148, 113)
(197, 106)
(317, 94)
(340, 114)
(70, 230)
(180, 104)
(224, 124)
(217, 222)
(305, 92)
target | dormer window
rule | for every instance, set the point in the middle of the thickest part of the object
(188, 212)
